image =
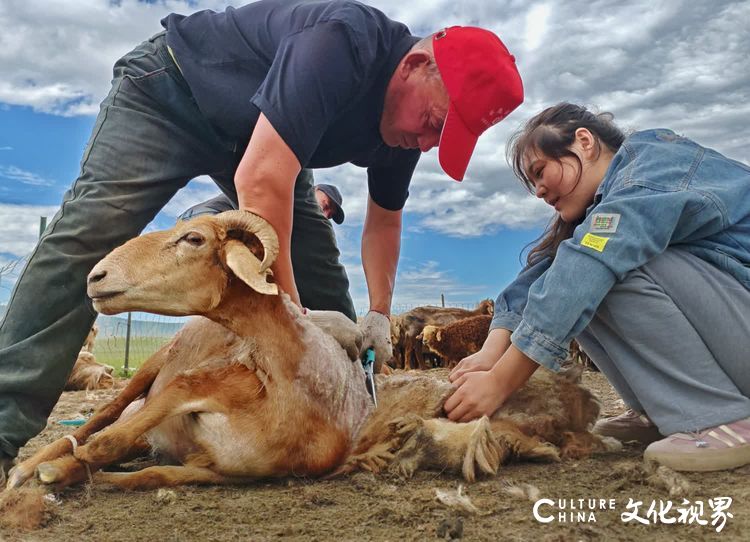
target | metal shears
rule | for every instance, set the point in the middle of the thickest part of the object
(368, 364)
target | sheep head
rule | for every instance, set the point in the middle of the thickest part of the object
(185, 270)
(431, 335)
(486, 306)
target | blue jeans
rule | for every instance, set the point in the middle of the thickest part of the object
(148, 141)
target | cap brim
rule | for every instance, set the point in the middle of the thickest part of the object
(338, 215)
(456, 145)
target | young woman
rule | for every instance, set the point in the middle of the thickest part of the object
(647, 266)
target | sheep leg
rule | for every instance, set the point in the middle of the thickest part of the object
(419, 356)
(138, 385)
(68, 470)
(166, 476)
(581, 444)
(443, 444)
(408, 351)
(375, 459)
(186, 393)
(398, 357)
(520, 445)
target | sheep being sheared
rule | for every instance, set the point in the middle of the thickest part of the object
(254, 389)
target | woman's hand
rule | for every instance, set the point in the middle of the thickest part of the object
(495, 345)
(481, 393)
(479, 361)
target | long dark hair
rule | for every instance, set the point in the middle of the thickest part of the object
(551, 133)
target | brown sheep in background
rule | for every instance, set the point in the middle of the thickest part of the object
(87, 373)
(414, 321)
(453, 342)
(397, 341)
(88, 344)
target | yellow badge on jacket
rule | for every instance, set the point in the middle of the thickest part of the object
(594, 241)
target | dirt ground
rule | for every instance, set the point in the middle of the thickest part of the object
(367, 507)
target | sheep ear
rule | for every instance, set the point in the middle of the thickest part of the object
(246, 266)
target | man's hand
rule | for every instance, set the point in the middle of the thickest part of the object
(376, 330)
(347, 333)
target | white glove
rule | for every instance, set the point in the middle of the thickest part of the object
(376, 328)
(338, 326)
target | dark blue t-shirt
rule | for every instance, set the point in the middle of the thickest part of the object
(317, 70)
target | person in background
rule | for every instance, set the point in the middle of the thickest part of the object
(328, 197)
(647, 266)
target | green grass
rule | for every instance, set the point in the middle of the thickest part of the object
(111, 351)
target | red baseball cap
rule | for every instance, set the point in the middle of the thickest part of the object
(483, 85)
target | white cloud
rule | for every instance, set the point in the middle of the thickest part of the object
(14, 173)
(57, 57)
(19, 225)
(536, 25)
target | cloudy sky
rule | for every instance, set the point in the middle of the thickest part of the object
(683, 65)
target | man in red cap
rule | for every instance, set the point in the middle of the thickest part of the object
(254, 97)
(474, 84)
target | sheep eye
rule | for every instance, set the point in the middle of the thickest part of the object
(194, 238)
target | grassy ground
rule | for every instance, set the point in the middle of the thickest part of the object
(111, 351)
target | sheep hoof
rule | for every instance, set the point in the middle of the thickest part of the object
(47, 473)
(610, 444)
(17, 477)
(410, 432)
(405, 426)
(482, 451)
(406, 467)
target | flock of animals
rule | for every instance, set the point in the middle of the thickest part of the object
(251, 388)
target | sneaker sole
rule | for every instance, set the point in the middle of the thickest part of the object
(644, 436)
(705, 461)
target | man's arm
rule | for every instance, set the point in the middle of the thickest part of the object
(381, 245)
(265, 186)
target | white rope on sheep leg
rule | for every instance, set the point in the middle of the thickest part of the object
(74, 442)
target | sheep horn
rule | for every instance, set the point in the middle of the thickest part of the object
(258, 226)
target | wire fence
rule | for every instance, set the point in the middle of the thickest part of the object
(128, 340)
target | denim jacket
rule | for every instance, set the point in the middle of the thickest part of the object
(660, 190)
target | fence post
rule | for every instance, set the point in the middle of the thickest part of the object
(42, 225)
(442, 300)
(127, 345)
